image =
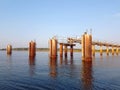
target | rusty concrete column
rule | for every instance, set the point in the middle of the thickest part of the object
(87, 47)
(32, 49)
(50, 47)
(93, 50)
(101, 51)
(83, 46)
(107, 50)
(112, 50)
(9, 49)
(90, 46)
(117, 50)
(71, 50)
(65, 50)
(53, 47)
(61, 49)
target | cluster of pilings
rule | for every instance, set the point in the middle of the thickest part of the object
(53, 47)
(65, 46)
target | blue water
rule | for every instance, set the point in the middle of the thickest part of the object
(19, 72)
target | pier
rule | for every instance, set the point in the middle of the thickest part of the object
(87, 47)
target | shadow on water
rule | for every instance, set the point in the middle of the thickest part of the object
(53, 67)
(32, 65)
(87, 77)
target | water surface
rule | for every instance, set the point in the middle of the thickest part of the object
(19, 72)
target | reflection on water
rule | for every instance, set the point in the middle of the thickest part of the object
(9, 58)
(32, 65)
(53, 67)
(71, 60)
(61, 60)
(66, 60)
(87, 77)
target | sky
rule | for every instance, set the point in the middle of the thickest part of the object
(24, 20)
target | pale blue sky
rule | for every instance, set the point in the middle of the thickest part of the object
(24, 20)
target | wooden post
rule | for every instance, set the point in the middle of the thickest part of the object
(32, 49)
(9, 49)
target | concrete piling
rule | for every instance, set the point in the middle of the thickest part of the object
(101, 51)
(53, 47)
(71, 50)
(61, 50)
(112, 50)
(107, 50)
(93, 50)
(86, 47)
(9, 49)
(65, 50)
(83, 46)
(32, 49)
(117, 51)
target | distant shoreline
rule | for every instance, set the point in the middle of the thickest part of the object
(37, 49)
(47, 49)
